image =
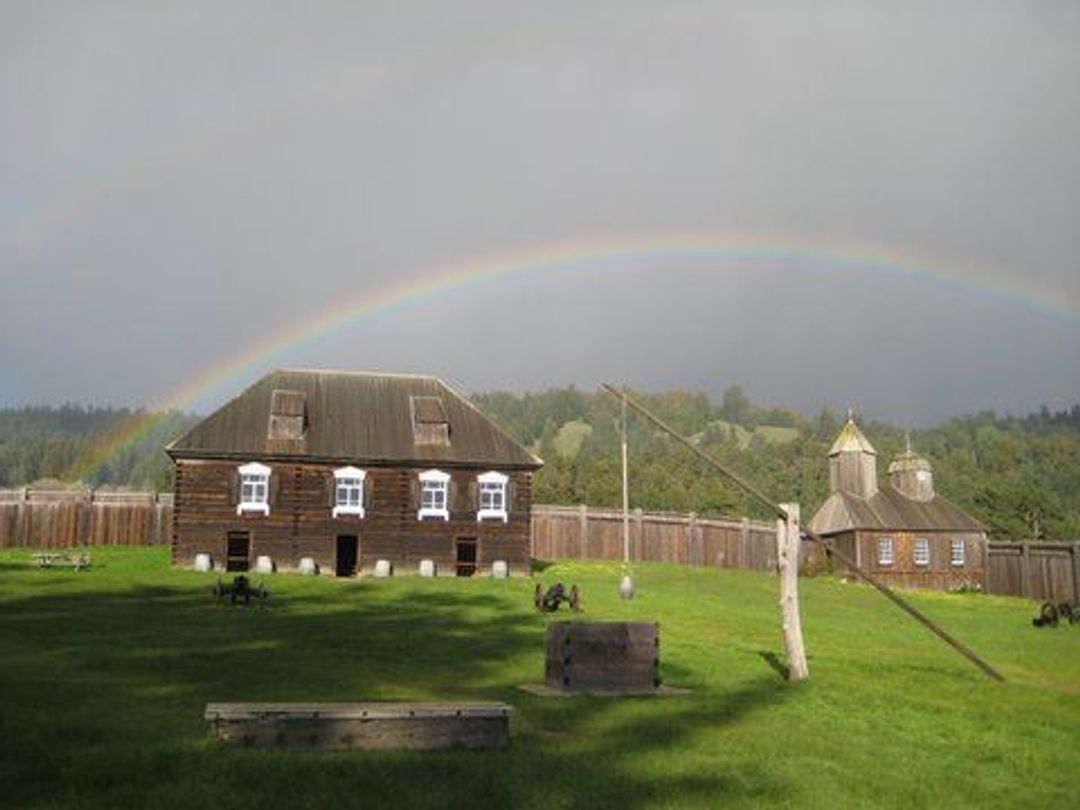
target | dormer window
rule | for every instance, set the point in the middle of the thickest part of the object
(434, 490)
(430, 425)
(492, 497)
(288, 414)
(254, 489)
(349, 491)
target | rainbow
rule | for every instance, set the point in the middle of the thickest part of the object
(966, 279)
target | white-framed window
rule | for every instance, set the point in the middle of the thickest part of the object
(254, 488)
(349, 491)
(922, 551)
(884, 551)
(492, 496)
(958, 552)
(434, 495)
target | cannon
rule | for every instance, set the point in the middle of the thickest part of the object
(238, 590)
(1050, 614)
(550, 600)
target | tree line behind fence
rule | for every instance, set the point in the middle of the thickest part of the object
(69, 518)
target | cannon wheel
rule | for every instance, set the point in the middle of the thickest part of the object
(1048, 615)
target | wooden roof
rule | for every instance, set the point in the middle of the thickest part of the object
(851, 440)
(891, 510)
(353, 417)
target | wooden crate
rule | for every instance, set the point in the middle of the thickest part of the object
(603, 656)
(423, 726)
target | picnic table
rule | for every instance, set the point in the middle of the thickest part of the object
(77, 562)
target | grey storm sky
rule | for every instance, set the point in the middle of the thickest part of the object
(181, 183)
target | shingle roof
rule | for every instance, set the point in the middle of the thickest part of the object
(890, 510)
(909, 461)
(353, 417)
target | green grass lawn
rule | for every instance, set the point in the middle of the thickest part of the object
(104, 676)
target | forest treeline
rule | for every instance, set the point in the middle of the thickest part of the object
(1019, 475)
(99, 447)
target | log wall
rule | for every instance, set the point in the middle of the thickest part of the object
(300, 523)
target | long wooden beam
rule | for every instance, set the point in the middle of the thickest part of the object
(809, 534)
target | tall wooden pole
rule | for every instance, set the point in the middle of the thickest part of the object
(625, 493)
(626, 583)
(787, 555)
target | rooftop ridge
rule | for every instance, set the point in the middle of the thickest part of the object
(351, 373)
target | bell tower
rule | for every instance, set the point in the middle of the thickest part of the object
(853, 462)
(912, 476)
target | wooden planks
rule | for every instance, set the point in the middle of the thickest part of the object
(1041, 571)
(560, 532)
(70, 518)
(374, 725)
(616, 657)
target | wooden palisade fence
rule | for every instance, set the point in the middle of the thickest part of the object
(68, 518)
(583, 533)
(1037, 570)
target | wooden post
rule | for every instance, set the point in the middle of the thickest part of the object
(1025, 569)
(639, 522)
(583, 531)
(22, 512)
(1075, 552)
(692, 557)
(155, 531)
(787, 555)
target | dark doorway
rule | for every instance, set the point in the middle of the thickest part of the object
(465, 548)
(238, 551)
(348, 554)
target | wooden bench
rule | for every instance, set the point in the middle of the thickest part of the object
(76, 561)
(422, 726)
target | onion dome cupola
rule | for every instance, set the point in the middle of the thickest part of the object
(912, 476)
(853, 462)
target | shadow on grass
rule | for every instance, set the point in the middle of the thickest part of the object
(775, 663)
(104, 693)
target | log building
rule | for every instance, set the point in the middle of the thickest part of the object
(901, 531)
(348, 469)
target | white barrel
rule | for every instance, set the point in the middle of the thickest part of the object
(264, 565)
(308, 566)
(203, 562)
(382, 568)
(500, 570)
(427, 568)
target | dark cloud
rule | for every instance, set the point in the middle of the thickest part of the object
(181, 182)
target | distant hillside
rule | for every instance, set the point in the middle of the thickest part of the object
(1018, 475)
